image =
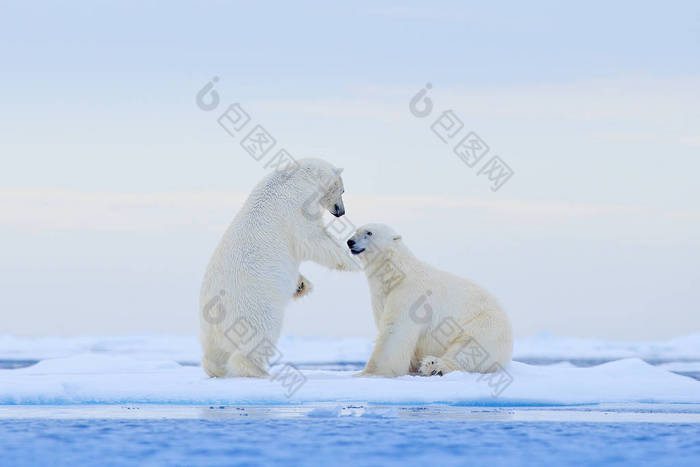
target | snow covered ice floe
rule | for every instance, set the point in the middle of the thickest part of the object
(546, 347)
(178, 348)
(116, 379)
(295, 349)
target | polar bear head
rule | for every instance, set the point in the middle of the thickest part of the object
(379, 237)
(322, 187)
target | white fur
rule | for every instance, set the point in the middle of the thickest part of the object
(254, 271)
(409, 312)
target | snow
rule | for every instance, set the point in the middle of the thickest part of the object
(546, 346)
(178, 348)
(145, 369)
(319, 350)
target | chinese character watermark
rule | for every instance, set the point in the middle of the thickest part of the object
(470, 148)
(258, 143)
(243, 334)
(471, 356)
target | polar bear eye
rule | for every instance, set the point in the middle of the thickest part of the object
(369, 233)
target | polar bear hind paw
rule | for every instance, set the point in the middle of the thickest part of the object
(432, 366)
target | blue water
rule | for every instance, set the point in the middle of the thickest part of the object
(343, 441)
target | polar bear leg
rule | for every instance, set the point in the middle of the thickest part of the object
(304, 287)
(213, 367)
(463, 354)
(456, 357)
(328, 252)
(393, 351)
(214, 359)
(239, 365)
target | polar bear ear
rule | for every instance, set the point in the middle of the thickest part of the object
(339, 171)
(397, 237)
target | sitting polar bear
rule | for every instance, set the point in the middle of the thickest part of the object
(254, 271)
(430, 321)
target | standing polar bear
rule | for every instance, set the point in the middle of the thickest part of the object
(254, 271)
(430, 321)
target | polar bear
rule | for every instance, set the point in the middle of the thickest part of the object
(254, 270)
(430, 322)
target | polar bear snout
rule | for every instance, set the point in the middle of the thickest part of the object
(375, 236)
(353, 249)
(338, 209)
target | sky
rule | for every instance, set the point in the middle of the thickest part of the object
(116, 187)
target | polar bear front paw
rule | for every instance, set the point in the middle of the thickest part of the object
(431, 366)
(304, 287)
